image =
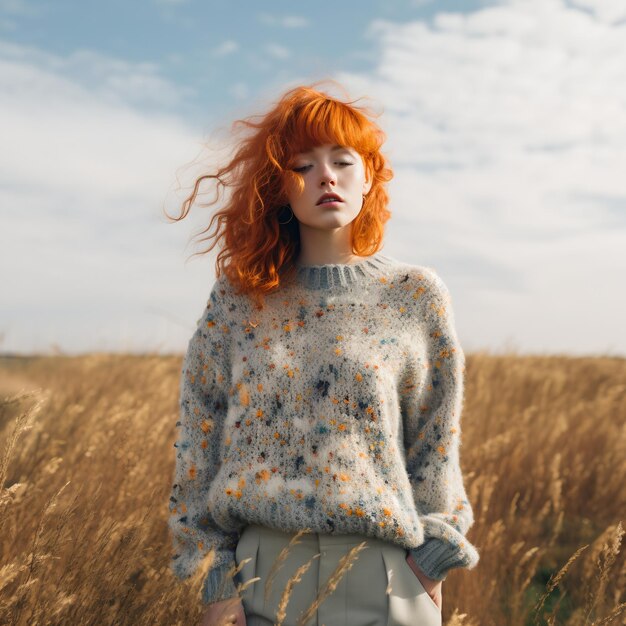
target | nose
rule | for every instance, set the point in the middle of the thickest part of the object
(328, 177)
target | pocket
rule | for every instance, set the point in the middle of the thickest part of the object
(409, 603)
(419, 582)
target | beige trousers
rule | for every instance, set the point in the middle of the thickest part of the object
(379, 590)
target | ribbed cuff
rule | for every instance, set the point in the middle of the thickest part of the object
(219, 585)
(436, 558)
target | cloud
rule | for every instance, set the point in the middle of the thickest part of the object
(285, 21)
(507, 131)
(30, 71)
(240, 91)
(609, 11)
(84, 179)
(20, 8)
(225, 48)
(277, 51)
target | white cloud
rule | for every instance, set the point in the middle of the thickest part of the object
(277, 51)
(16, 9)
(241, 91)
(84, 179)
(29, 71)
(507, 130)
(286, 21)
(225, 48)
(20, 8)
(294, 21)
(610, 11)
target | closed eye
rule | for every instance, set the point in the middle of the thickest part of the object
(303, 168)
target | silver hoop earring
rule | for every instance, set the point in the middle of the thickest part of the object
(290, 217)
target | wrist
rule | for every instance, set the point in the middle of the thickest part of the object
(429, 584)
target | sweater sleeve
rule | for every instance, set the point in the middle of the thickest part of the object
(432, 404)
(203, 404)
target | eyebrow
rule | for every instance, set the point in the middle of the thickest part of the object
(333, 149)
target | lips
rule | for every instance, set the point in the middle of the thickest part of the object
(330, 196)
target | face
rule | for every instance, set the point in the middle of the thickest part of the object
(330, 169)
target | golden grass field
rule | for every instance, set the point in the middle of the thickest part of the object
(86, 460)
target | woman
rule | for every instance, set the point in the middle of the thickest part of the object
(321, 391)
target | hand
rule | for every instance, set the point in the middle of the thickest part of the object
(432, 586)
(224, 613)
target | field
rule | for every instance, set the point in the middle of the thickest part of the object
(86, 458)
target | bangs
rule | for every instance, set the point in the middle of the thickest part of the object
(325, 121)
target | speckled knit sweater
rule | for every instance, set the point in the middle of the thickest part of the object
(336, 408)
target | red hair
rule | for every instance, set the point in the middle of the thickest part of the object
(257, 251)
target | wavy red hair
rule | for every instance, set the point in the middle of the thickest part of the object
(257, 251)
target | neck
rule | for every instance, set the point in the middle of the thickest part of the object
(326, 246)
(328, 258)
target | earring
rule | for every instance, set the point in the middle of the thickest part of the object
(290, 210)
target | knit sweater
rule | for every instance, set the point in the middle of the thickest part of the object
(336, 408)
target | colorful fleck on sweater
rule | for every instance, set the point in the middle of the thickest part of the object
(336, 408)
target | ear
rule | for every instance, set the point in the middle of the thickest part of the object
(367, 183)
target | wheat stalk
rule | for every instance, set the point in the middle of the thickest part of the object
(554, 581)
(22, 423)
(295, 540)
(281, 612)
(345, 564)
(604, 561)
(618, 610)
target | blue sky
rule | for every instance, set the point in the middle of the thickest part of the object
(218, 53)
(506, 130)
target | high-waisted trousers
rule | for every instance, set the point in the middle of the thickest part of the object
(380, 589)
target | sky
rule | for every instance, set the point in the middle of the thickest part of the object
(505, 124)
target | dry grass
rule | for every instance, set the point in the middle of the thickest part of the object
(86, 459)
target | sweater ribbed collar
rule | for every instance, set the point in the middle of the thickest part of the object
(333, 275)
